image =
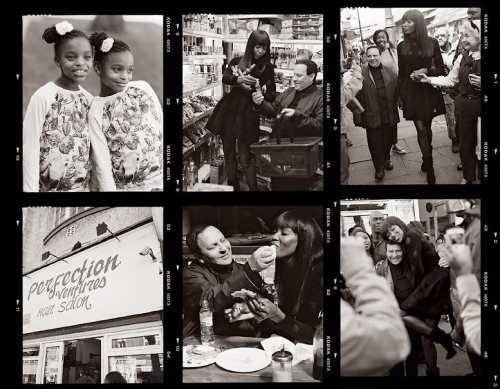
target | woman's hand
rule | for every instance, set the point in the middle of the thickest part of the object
(238, 312)
(443, 262)
(248, 80)
(262, 308)
(418, 74)
(245, 87)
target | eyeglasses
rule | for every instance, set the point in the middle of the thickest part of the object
(441, 36)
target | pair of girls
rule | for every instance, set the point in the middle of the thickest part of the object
(73, 141)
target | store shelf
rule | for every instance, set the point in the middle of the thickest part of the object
(198, 144)
(203, 88)
(205, 34)
(196, 57)
(258, 16)
(197, 117)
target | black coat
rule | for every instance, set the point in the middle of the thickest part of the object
(234, 116)
(421, 101)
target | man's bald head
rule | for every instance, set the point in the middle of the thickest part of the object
(442, 35)
(375, 221)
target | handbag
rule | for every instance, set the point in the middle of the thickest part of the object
(357, 109)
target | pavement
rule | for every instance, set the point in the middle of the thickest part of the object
(406, 166)
(459, 365)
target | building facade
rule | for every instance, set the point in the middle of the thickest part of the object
(92, 294)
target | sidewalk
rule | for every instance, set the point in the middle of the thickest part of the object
(406, 166)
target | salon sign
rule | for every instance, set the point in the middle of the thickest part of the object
(107, 281)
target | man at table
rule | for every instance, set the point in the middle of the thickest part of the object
(300, 112)
(214, 275)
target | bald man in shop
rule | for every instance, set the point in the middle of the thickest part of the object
(375, 221)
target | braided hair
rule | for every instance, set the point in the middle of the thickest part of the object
(97, 39)
(52, 35)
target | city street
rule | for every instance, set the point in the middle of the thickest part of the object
(459, 365)
(406, 166)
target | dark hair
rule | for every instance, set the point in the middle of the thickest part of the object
(96, 40)
(371, 250)
(50, 35)
(350, 230)
(257, 37)
(387, 241)
(114, 377)
(85, 380)
(375, 34)
(423, 38)
(192, 237)
(312, 67)
(373, 47)
(309, 251)
(390, 221)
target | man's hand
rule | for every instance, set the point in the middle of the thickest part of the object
(458, 257)
(261, 259)
(257, 96)
(287, 112)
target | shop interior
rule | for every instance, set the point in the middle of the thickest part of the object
(210, 42)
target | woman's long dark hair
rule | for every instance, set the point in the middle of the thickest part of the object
(309, 251)
(257, 37)
(423, 38)
(390, 221)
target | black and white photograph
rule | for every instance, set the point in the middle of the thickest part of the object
(252, 102)
(252, 294)
(411, 295)
(92, 103)
(411, 96)
(92, 307)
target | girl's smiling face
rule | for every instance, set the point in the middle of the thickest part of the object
(285, 240)
(75, 60)
(116, 72)
(395, 234)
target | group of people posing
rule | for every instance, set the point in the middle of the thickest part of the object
(418, 274)
(289, 307)
(74, 141)
(424, 77)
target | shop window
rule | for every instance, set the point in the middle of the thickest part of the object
(137, 341)
(30, 363)
(139, 369)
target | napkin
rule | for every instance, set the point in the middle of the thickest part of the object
(300, 351)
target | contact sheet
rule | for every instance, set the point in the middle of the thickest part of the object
(153, 229)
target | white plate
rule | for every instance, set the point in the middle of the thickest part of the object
(243, 359)
(188, 361)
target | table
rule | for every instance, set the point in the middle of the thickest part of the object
(302, 372)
